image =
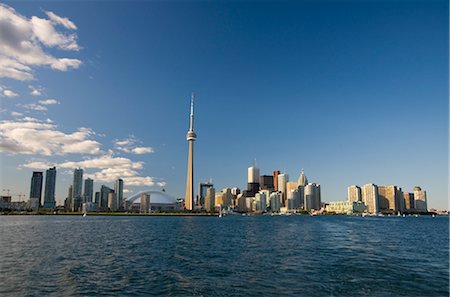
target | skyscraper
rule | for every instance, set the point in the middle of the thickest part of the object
(204, 186)
(77, 188)
(36, 185)
(420, 199)
(88, 190)
(49, 192)
(354, 193)
(369, 195)
(275, 179)
(252, 180)
(190, 137)
(210, 199)
(118, 189)
(283, 178)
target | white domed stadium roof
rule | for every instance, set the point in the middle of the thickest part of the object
(159, 197)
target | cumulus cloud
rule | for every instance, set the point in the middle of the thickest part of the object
(36, 91)
(142, 150)
(128, 145)
(9, 94)
(16, 114)
(48, 102)
(106, 169)
(23, 43)
(29, 136)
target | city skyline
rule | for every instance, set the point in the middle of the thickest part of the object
(291, 101)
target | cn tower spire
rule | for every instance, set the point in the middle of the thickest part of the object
(191, 124)
(190, 137)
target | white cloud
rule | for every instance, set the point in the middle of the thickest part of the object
(16, 114)
(30, 136)
(108, 169)
(23, 42)
(48, 102)
(142, 150)
(61, 21)
(9, 93)
(36, 91)
(34, 106)
(128, 145)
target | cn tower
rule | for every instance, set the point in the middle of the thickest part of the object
(190, 137)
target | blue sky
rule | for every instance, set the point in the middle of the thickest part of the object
(353, 92)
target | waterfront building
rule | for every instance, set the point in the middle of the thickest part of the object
(409, 200)
(145, 203)
(283, 178)
(275, 179)
(369, 195)
(241, 203)
(266, 182)
(190, 137)
(118, 189)
(69, 199)
(226, 197)
(218, 200)
(354, 193)
(158, 201)
(346, 207)
(399, 200)
(420, 199)
(249, 204)
(391, 199)
(267, 193)
(49, 191)
(275, 201)
(112, 201)
(97, 199)
(36, 185)
(293, 199)
(88, 190)
(103, 201)
(386, 197)
(210, 197)
(260, 202)
(252, 180)
(203, 188)
(77, 189)
(312, 197)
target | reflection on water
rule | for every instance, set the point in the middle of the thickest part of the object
(234, 255)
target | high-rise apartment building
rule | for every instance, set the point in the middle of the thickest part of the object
(88, 190)
(50, 185)
(103, 201)
(354, 193)
(409, 200)
(36, 185)
(203, 187)
(118, 189)
(112, 201)
(210, 198)
(369, 195)
(420, 199)
(283, 178)
(145, 203)
(77, 189)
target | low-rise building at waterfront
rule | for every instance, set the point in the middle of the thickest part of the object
(346, 207)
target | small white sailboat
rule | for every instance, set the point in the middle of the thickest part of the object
(84, 214)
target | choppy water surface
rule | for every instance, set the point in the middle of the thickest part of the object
(230, 256)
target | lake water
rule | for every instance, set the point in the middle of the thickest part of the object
(229, 256)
